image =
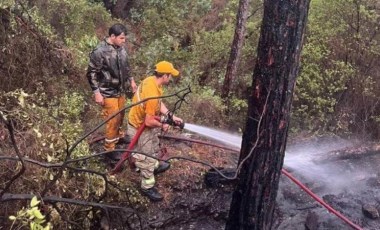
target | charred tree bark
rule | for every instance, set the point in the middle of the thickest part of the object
(265, 135)
(237, 45)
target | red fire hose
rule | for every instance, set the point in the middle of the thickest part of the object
(328, 207)
(127, 154)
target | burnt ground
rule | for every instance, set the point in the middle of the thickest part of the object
(345, 174)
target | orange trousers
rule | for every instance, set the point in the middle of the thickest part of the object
(114, 126)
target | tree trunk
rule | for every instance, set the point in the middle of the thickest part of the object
(4, 20)
(237, 45)
(265, 135)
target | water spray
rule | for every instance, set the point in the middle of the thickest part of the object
(232, 140)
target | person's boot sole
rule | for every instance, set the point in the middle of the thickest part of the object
(156, 172)
(150, 197)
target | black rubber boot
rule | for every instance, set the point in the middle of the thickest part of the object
(152, 194)
(114, 156)
(162, 167)
(124, 140)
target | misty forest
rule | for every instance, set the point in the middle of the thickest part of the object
(279, 101)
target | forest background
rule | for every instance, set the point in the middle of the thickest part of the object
(44, 47)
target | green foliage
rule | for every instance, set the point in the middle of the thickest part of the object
(74, 19)
(41, 23)
(31, 217)
(45, 126)
(175, 19)
(72, 22)
(54, 121)
(6, 4)
(317, 92)
(206, 108)
(334, 89)
(158, 49)
(174, 10)
(211, 46)
(165, 31)
(238, 104)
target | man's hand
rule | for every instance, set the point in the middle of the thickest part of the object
(133, 86)
(99, 98)
(177, 120)
(165, 127)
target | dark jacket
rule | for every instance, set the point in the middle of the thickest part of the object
(108, 70)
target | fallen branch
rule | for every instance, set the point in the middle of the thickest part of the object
(9, 125)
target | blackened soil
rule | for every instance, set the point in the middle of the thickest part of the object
(347, 179)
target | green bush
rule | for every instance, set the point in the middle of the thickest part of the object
(53, 121)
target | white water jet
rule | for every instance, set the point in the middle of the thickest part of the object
(233, 140)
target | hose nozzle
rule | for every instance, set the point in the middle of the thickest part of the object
(168, 119)
(181, 125)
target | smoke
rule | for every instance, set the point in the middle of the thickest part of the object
(315, 163)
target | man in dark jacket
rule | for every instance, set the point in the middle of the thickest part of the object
(109, 76)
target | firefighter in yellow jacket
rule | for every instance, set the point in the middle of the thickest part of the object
(146, 112)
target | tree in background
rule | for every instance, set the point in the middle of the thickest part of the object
(236, 47)
(265, 135)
